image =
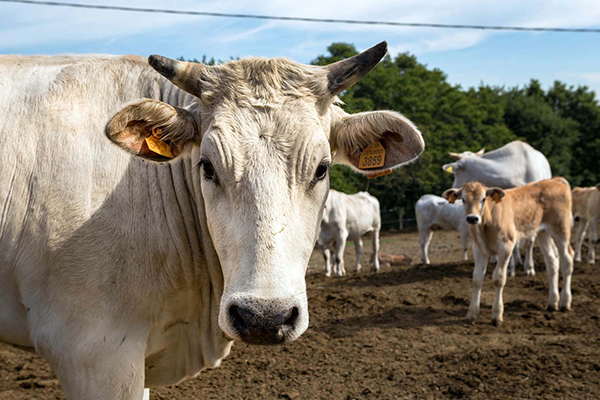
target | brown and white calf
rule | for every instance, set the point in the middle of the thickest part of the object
(586, 210)
(499, 218)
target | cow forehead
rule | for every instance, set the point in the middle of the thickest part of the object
(246, 140)
(473, 191)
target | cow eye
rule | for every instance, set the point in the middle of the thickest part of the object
(321, 171)
(209, 171)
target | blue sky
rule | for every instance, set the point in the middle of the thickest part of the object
(468, 57)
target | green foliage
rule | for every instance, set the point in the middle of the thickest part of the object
(563, 123)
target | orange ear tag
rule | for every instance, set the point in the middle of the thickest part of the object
(373, 156)
(158, 146)
(378, 174)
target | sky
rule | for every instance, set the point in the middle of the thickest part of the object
(468, 57)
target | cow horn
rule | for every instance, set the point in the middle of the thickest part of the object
(345, 73)
(185, 75)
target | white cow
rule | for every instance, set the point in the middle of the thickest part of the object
(126, 268)
(436, 212)
(348, 217)
(512, 165)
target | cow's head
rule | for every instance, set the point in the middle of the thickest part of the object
(474, 196)
(263, 134)
(457, 168)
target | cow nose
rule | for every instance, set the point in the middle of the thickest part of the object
(472, 219)
(263, 323)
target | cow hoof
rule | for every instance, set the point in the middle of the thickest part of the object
(552, 308)
(530, 273)
(496, 322)
(565, 308)
(512, 274)
(327, 275)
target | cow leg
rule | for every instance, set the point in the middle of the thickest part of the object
(327, 257)
(358, 244)
(517, 253)
(375, 237)
(481, 261)
(548, 249)
(529, 266)
(581, 229)
(561, 239)
(512, 263)
(146, 394)
(340, 270)
(464, 236)
(499, 279)
(424, 240)
(592, 242)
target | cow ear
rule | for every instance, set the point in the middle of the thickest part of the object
(352, 134)
(452, 195)
(450, 168)
(152, 129)
(598, 186)
(496, 194)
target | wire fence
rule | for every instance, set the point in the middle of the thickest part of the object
(391, 220)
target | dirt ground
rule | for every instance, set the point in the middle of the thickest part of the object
(398, 334)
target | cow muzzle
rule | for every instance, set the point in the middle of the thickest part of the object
(263, 322)
(473, 219)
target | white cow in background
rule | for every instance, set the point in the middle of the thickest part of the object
(435, 211)
(348, 217)
(586, 211)
(512, 165)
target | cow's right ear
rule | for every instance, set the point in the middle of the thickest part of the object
(352, 134)
(598, 186)
(152, 129)
(452, 195)
(450, 168)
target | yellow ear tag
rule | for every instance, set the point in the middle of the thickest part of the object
(378, 174)
(373, 156)
(158, 146)
(449, 169)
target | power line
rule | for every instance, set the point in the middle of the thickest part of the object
(302, 19)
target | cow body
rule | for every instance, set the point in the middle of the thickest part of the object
(348, 217)
(510, 166)
(499, 218)
(127, 269)
(436, 212)
(586, 210)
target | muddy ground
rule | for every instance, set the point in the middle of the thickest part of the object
(398, 334)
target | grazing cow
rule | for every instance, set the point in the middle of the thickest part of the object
(499, 218)
(137, 262)
(348, 217)
(586, 210)
(512, 165)
(436, 212)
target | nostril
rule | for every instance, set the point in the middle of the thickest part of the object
(291, 320)
(237, 320)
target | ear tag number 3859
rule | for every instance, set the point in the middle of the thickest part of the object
(373, 156)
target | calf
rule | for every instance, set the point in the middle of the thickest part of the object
(586, 210)
(434, 211)
(348, 217)
(499, 218)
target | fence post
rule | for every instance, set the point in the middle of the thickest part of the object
(400, 224)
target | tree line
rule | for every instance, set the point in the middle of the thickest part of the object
(562, 122)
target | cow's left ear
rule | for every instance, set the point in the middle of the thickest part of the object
(496, 194)
(351, 134)
(152, 129)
